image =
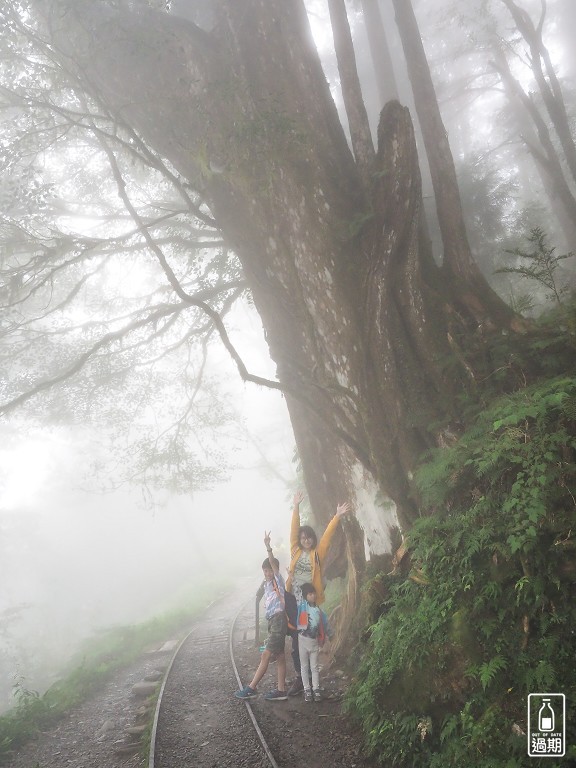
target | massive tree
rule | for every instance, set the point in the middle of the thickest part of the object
(369, 334)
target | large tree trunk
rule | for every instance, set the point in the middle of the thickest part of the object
(355, 313)
(358, 124)
(476, 297)
(380, 52)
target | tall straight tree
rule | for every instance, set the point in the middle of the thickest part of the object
(458, 260)
(351, 91)
(546, 78)
(536, 136)
(380, 51)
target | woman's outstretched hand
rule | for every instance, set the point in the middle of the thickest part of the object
(343, 509)
(298, 498)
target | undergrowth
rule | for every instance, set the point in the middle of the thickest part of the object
(98, 659)
(484, 613)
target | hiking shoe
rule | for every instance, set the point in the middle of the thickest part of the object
(308, 696)
(276, 696)
(296, 687)
(317, 695)
(246, 693)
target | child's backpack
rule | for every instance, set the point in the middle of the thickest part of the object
(291, 608)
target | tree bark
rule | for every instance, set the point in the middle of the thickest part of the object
(351, 90)
(380, 52)
(478, 300)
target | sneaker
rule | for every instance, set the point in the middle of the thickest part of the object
(296, 687)
(317, 695)
(246, 693)
(308, 696)
(276, 696)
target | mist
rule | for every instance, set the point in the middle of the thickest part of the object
(76, 561)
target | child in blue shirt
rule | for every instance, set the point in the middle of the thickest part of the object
(312, 632)
(274, 588)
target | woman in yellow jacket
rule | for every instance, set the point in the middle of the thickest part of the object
(307, 557)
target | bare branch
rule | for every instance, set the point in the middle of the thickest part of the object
(174, 282)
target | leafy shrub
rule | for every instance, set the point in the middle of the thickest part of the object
(486, 613)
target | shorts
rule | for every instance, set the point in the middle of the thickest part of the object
(277, 627)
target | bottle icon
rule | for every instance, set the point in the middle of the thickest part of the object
(546, 717)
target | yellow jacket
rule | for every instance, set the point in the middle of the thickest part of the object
(317, 555)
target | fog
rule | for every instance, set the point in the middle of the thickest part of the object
(75, 561)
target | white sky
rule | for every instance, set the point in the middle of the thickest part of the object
(78, 560)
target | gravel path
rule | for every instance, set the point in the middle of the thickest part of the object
(201, 725)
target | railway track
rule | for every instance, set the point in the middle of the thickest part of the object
(194, 723)
(198, 723)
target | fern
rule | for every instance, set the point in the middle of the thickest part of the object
(493, 615)
(487, 672)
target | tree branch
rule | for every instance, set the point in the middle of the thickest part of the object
(83, 359)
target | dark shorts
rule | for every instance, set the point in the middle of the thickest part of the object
(277, 627)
